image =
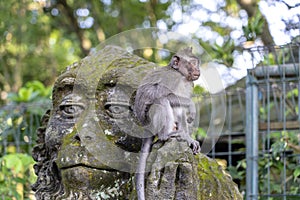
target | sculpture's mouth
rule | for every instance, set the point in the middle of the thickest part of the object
(85, 177)
(78, 157)
(86, 166)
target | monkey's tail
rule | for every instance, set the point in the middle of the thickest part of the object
(141, 168)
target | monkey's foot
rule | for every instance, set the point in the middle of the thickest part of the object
(195, 146)
(175, 133)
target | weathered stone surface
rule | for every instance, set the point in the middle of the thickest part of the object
(177, 174)
(88, 146)
(89, 108)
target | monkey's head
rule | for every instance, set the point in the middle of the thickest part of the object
(186, 63)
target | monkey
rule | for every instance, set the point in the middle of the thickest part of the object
(164, 107)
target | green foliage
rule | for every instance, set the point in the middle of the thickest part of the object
(35, 94)
(296, 174)
(198, 90)
(221, 54)
(290, 110)
(280, 165)
(199, 134)
(16, 175)
(279, 55)
(21, 117)
(275, 167)
(40, 38)
(238, 173)
(32, 91)
(18, 123)
(254, 27)
(27, 48)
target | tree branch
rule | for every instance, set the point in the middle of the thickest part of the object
(289, 7)
(74, 24)
(251, 9)
(249, 6)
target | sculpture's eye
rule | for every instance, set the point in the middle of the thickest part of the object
(115, 109)
(71, 110)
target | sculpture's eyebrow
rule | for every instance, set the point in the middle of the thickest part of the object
(67, 81)
(64, 85)
(64, 81)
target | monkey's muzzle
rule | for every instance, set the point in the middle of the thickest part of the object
(195, 75)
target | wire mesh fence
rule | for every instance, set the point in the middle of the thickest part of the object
(260, 140)
(273, 124)
(229, 147)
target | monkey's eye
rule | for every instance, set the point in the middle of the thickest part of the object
(194, 62)
(71, 110)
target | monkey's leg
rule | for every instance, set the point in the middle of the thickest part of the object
(180, 126)
(162, 119)
(183, 102)
(191, 112)
(183, 129)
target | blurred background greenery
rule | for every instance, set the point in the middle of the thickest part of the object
(39, 38)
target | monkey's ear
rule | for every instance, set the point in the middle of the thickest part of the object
(175, 62)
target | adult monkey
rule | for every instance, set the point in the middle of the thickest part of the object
(164, 107)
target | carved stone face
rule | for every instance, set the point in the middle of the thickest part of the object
(83, 146)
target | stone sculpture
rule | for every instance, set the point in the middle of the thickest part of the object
(87, 144)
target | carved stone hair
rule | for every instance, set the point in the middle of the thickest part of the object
(48, 184)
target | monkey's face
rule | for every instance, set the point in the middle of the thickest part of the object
(193, 68)
(189, 67)
(187, 64)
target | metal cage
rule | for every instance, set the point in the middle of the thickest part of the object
(273, 124)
